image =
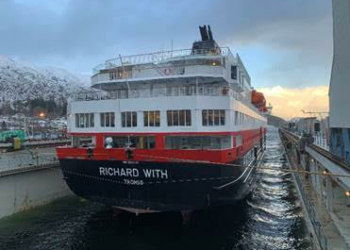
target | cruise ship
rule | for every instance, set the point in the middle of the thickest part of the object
(175, 130)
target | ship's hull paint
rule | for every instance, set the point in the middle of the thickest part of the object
(185, 186)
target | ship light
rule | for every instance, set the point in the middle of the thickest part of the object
(325, 172)
(347, 193)
(213, 63)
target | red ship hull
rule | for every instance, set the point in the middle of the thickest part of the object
(161, 179)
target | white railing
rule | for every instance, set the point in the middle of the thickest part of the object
(161, 57)
(154, 92)
(148, 73)
(321, 141)
(95, 95)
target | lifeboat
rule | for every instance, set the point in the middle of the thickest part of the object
(259, 101)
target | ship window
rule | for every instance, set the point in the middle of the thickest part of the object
(210, 117)
(107, 119)
(216, 117)
(234, 72)
(222, 117)
(84, 120)
(198, 142)
(213, 117)
(120, 73)
(139, 142)
(151, 118)
(82, 141)
(129, 119)
(204, 117)
(188, 117)
(182, 117)
(112, 75)
(179, 117)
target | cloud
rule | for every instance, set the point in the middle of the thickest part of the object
(289, 102)
(79, 34)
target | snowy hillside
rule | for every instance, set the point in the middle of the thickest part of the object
(23, 81)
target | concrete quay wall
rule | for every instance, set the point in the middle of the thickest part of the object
(28, 189)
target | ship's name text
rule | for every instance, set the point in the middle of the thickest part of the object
(134, 172)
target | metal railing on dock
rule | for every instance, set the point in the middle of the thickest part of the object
(310, 207)
(25, 161)
(322, 181)
(321, 150)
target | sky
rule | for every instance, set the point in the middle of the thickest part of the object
(286, 45)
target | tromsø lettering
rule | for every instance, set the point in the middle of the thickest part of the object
(134, 172)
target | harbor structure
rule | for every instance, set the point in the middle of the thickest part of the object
(340, 81)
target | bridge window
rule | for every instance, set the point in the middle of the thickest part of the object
(84, 120)
(107, 119)
(179, 117)
(129, 119)
(215, 117)
(151, 118)
(198, 142)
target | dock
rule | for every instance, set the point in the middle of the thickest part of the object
(30, 178)
(323, 185)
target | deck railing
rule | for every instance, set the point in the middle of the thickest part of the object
(94, 95)
(150, 73)
(161, 57)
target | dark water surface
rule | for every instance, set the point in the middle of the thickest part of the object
(270, 218)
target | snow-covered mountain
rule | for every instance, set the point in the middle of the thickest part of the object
(23, 81)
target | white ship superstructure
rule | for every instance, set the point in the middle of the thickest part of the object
(173, 80)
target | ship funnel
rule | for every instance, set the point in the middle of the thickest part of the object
(210, 33)
(204, 33)
(207, 44)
